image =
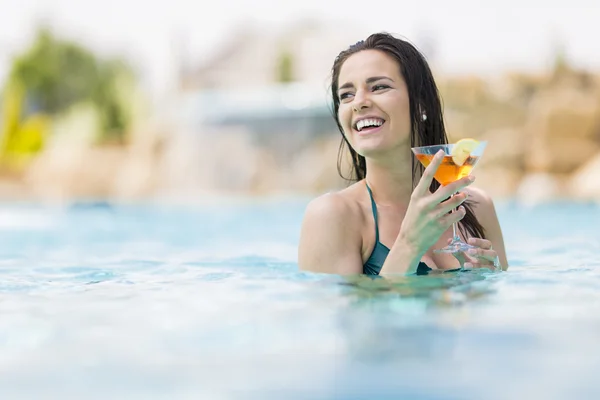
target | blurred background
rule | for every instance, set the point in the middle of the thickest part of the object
(113, 111)
(132, 101)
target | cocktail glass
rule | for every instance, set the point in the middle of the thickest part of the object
(459, 160)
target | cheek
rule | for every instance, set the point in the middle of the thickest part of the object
(401, 116)
(344, 118)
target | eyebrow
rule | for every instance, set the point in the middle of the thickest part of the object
(372, 79)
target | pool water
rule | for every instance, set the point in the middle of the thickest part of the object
(148, 301)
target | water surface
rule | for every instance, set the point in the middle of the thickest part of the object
(145, 301)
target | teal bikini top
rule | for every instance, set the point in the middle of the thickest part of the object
(380, 251)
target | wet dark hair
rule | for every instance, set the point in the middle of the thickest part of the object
(423, 98)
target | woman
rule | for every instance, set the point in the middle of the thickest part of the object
(393, 217)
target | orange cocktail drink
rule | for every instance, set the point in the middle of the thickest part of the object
(459, 160)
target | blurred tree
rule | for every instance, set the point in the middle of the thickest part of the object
(285, 67)
(56, 74)
(561, 65)
(112, 97)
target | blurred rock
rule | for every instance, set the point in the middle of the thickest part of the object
(78, 172)
(560, 155)
(497, 181)
(585, 184)
(215, 159)
(505, 148)
(12, 189)
(543, 133)
(315, 168)
(536, 188)
(140, 172)
(464, 92)
(563, 130)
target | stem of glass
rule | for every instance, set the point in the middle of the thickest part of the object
(455, 237)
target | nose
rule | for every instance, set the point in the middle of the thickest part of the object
(361, 101)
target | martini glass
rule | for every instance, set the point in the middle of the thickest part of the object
(456, 165)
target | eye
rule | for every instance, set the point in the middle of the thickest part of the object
(345, 95)
(380, 86)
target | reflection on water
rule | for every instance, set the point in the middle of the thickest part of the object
(436, 285)
(159, 303)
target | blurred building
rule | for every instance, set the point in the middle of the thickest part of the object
(303, 52)
(273, 85)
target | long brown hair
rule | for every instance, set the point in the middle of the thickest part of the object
(423, 95)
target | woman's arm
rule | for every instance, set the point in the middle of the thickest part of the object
(428, 216)
(485, 211)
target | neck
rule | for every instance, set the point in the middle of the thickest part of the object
(390, 180)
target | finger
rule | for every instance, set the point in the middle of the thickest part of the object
(451, 204)
(479, 253)
(463, 254)
(423, 186)
(461, 257)
(447, 220)
(449, 190)
(459, 253)
(462, 183)
(483, 243)
(482, 262)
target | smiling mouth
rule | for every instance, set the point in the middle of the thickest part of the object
(368, 124)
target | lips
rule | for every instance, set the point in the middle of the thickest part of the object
(368, 122)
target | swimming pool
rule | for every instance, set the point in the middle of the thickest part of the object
(145, 301)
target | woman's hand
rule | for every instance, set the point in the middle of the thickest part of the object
(482, 256)
(429, 214)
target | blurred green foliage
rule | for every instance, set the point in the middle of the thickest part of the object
(285, 67)
(56, 74)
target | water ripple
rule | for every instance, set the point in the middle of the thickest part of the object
(154, 303)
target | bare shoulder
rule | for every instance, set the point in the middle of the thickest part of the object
(483, 203)
(341, 208)
(479, 195)
(330, 236)
(332, 207)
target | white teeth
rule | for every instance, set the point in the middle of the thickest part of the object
(368, 122)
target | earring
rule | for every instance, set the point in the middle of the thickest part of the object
(424, 117)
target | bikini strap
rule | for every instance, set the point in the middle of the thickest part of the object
(374, 208)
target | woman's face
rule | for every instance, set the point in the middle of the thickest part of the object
(374, 109)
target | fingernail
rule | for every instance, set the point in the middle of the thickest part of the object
(471, 178)
(472, 251)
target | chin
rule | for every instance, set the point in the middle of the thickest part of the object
(378, 147)
(372, 150)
